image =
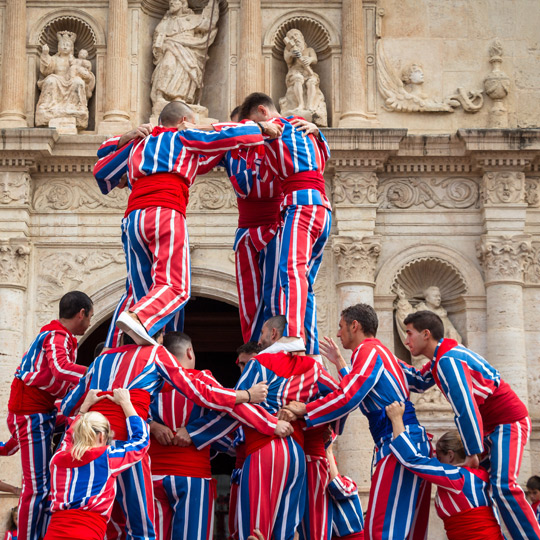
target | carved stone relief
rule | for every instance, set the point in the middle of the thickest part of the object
(210, 193)
(496, 85)
(404, 94)
(63, 271)
(355, 188)
(356, 260)
(453, 192)
(531, 271)
(76, 194)
(14, 262)
(14, 187)
(532, 191)
(505, 257)
(504, 187)
(323, 301)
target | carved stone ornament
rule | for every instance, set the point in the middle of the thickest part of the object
(429, 193)
(180, 53)
(403, 94)
(355, 187)
(532, 191)
(504, 258)
(322, 300)
(505, 187)
(67, 270)
(76, 194)
(356, 259)
(304, 97)
(14, 187)
(14, 262)
(531, 271)
(211, 194)
(496, 85)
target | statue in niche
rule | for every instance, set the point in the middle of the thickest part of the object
(432, 302)
(304, 97)
(405, 94)
(179, 49)
(66, 85)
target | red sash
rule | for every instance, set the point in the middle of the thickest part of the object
(474, 524)
(115, 415)
(25, 399)
(304, 180)
(259, 212)
(256, 440)
(76, 525)
(314, 441)
(179, 461)
(353, 536)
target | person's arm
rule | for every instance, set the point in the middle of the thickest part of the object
(419, 380)
(353, 388)
(428, 468)
(9, 448)
(8, 488)
(75, 397)
(456, 384)
(57, 356)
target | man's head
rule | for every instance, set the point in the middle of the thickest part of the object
(424, 330)
(246, 352)
(179, 345)
(76, 311)
(533, 488)
(272, 330)
(258, 107)
(357, 323)
(174, 113)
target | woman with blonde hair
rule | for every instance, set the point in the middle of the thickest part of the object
(85, 467)
(463, 501)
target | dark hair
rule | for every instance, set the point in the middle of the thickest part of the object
(279, 322)
(235, 112)
(533, 483)
(12, 512)
(251, 347)
(177, 343)
(127, 339)
(99, 349)
(426, 320)
(253, 101)
(72, 302)
(365, 315)
(173, 112)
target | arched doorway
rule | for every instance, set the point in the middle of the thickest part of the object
(214, 327)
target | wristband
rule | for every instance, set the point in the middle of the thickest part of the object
(261, 127)
(249, 396)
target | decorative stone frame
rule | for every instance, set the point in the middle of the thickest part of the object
(74, 20)
(322, 36)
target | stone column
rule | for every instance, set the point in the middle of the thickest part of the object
(116, 117)
(356, 261)
(353, 67)
(13, 93)
(503, 259)
(250, 60)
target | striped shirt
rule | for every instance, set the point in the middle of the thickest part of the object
(458, 488)
(49, 363)
(90, 483)
(346, 509)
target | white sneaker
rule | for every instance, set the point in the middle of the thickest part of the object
(134, 329)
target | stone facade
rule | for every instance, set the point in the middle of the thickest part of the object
(420, 189)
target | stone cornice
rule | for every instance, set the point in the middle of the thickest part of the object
(490, 140)
(38, 142)
(371, 140)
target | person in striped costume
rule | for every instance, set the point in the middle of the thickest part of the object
(160, 169)
(492, 421)
(533, 493)
(463, 500)
(11, 533)
(398, 499)
(297, 160)
(143, 370)
(86, 465)
(47, 371)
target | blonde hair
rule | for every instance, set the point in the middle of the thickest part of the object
(451, 441)
(85, 431)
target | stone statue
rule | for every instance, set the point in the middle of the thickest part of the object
(432, 302)
(179, 50)
(66, 86)
(404, 94)
(304, 97)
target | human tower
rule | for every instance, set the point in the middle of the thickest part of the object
(141, 423)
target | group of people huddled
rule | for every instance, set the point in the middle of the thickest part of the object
(140, 424)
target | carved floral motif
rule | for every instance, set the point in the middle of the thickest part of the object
(505, 258)
(354, 187)
(504, 187)
(445, 192)
(14, 262)
(75, 194)
(356, 259)
(211, 194)
(14, 188)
